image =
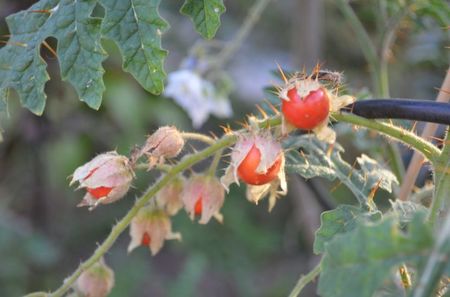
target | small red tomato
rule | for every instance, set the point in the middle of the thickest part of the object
(247, 169)
(307, 112)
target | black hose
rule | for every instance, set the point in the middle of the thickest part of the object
(409, 109)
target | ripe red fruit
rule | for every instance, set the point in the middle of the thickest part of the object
(306, 112)
(247, 169)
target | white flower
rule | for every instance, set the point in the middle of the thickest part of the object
(197, 96)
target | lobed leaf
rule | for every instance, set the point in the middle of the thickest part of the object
(355, 264)
(205, 14)
(80, 53)
(136, 27)
(340, 220)
(317, 159)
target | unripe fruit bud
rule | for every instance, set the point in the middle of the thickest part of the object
(203, 196)
(97, 281)
(169, 197)
(106, 178)
(166, 142)
(151, 227)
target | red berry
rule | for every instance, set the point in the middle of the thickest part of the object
(198, 207)
(306, 112)
(146, 240)
(99, 192)
(247, 169)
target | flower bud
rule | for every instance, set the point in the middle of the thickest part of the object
(97, 281)
(106, 178)
(169, 197)
(203, 196)
(166, 142)
(259, 161)
(151, 227)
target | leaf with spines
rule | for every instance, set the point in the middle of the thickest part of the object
(315, 160)
(356, 263)
(79, 51)
(340, 220)
(136, 27)
(205, 14)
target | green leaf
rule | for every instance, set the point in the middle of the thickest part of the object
(136, 27)
(79, 51)
(338, 221)
(315, 161)
(355, 264)
(205, 14)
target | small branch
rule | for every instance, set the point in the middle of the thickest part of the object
(250, 21)
(406, 137)
(198, 137)
(306, 279)
(436, 264)
(37, 294)
(215, 162)
(366, 44)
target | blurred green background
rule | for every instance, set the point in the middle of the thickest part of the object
(43, 236)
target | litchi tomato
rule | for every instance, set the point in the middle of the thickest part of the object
(306, 112)
(247, 169)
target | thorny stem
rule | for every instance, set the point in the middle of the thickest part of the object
(406, 137)
(441, 199)
(426, 148)
(250, 21)
(306, 279)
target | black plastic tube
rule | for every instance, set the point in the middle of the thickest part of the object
(409, 109)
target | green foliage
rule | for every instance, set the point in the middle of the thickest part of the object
(357, 263)
(205, 14)
(340, 220)
(134, 25)
(79, 51)
(315, 161)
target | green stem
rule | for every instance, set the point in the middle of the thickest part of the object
(365, 43)
(250, 21)
(215, 163)
(306, 279)
(36, 294)
(436, 264)
(198, 137)
(406, 137)
(441, 166)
